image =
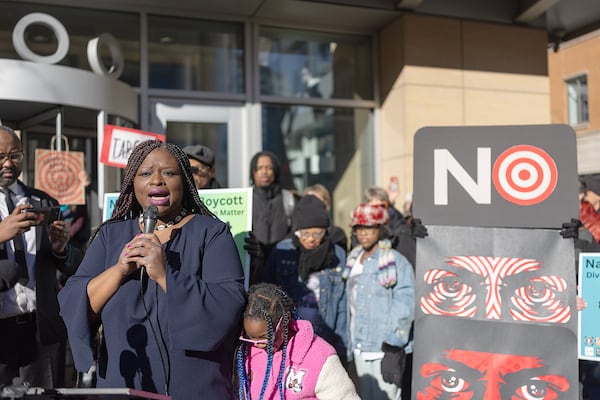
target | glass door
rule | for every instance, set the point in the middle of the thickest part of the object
(219, 128)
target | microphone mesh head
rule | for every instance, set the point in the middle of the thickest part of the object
(151, 212)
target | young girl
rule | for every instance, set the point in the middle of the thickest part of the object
(280, 357)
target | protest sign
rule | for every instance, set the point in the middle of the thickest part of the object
(119, 142)
(502, 292)
(61, 173)
(589, 318)
(511, 176)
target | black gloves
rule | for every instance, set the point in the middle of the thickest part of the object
(392, 365)
(253, 246)
(9, 274)
(257, 257)
(418, 230)
(571, 229)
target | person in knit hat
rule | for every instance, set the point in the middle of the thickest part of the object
(308, 267)
(381, 300)
(337, 234)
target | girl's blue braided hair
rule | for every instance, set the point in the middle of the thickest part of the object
(244, 384)
(271, 341)
(269, 303)
(286, 322)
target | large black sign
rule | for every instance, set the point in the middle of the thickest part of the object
(496, 176)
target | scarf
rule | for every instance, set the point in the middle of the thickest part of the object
(314, 260)
(387, 263)
(270, 191)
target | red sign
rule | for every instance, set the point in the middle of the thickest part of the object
(119, 142)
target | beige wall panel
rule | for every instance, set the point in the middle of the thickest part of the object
(396, 154)
(432, 41)
(431, 76)
(502, 48)
(392, 120)
(505, 108)
(417, 40)
(433, 106)
(504, 82)
(427, 106)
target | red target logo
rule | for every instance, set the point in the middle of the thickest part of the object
(525, 175)
(58, 174)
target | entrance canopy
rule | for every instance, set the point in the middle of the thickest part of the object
(562, 19)
(30, 88)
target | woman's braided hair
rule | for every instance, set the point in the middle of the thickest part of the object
(270, 303)
(127, 206)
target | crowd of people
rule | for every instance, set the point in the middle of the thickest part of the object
(163, 308)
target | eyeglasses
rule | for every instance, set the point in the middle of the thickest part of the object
(361, 229)
(256, 342)
(15, 157)
(311, 235)
(197, 170)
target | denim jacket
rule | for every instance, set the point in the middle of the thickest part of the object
(330, 320)
(381, 314)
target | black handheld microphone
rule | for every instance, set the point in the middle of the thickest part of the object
(150, 217)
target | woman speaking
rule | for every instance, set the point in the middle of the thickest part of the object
(168, 300)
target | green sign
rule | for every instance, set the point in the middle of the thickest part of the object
(234, 207)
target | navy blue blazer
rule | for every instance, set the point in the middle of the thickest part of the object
(193, 321)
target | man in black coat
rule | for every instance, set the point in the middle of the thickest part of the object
(31, 251)
(272, 208)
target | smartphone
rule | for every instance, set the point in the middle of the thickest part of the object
(45, 215)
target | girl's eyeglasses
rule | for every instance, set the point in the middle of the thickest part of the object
(256, 342)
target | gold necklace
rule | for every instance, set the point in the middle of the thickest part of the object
(162, 227)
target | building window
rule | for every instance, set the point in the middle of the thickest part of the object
(577, 98)
(317, 92)
(332, 146)
(195, 55)
(310, 64)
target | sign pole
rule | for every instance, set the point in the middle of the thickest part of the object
(101, 121)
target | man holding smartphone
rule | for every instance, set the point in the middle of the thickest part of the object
(32, 334)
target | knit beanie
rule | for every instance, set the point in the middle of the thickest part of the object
(368, 215)
(310, 213)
